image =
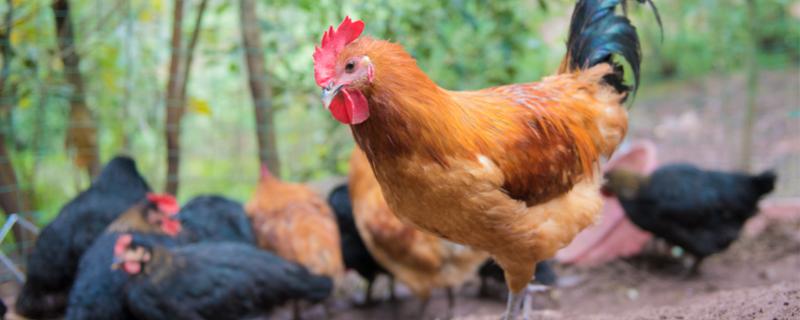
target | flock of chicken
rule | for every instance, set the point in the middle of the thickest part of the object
(440, 182)
(119, 251)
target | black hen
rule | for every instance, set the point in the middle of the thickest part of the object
(52, 265)
(98, 292)
(701, 211)
(354, 251)
(227, 280)
(214, 218)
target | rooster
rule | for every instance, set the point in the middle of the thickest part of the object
(419, 260)
(512, 170)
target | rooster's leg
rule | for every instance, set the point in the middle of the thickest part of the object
(512, 307)
(527, 304)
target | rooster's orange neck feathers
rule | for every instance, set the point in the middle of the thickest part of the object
(409, 113)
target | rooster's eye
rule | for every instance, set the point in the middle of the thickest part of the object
(349, 67)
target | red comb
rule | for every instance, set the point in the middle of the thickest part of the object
(122, 243)
(165, 202)
(332, 43)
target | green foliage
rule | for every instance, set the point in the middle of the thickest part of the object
(711, 36)
(461, 44)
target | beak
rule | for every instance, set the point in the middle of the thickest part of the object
(328, 93)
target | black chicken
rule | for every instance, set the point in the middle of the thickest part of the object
(699, 210)
(52, 265)
(354, 251)
(214, 218)
(227, 280)
(98, 292)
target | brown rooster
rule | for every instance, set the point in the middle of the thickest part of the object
(296, 223)
(420, 260)
(512, 170)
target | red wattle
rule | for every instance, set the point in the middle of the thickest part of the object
(350, 107)
(132, 267)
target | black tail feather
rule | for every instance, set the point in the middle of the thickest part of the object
(597, 33)
(652, 7)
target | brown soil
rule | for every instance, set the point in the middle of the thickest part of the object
(757, 278)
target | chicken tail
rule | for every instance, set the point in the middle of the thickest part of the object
(765, 182)
(597, 33)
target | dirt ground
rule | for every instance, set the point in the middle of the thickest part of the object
(698, 121)
(757, 278)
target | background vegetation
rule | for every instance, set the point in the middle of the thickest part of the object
(125, 50)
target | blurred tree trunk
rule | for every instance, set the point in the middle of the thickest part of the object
(745, 161)
(82, 130)
(12, 198)
(198, 22)
(173, 102)
(180, 65)
(260, 88)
